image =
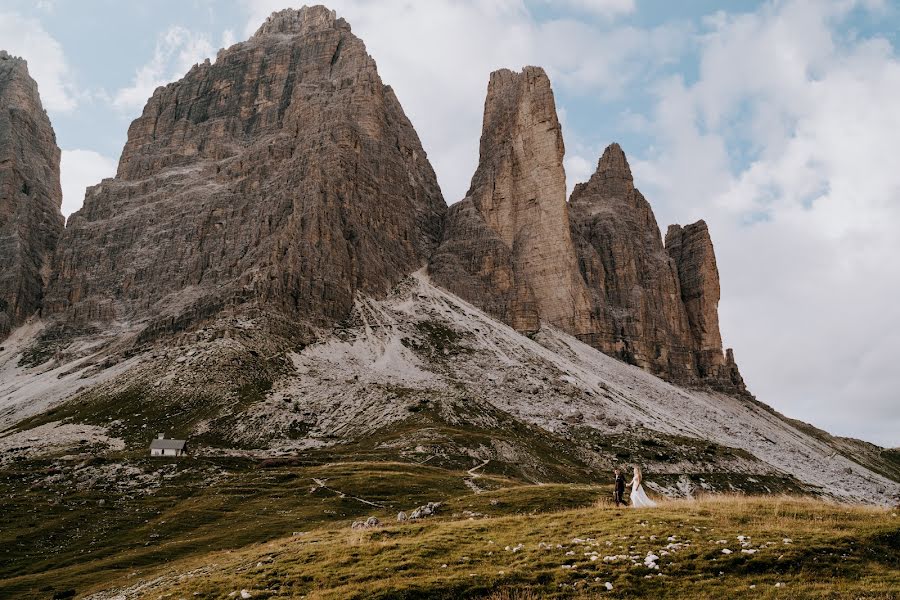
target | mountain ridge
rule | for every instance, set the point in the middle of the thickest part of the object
(253, 279)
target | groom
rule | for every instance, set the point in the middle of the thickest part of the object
(620, 488)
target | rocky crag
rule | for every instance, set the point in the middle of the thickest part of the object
(277, 182)
(595, 267)
(655, 306)
(507, 246)
(692, 251)
(30, 195)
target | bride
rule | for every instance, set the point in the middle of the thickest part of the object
(639, 498)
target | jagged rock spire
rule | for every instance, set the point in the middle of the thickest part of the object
(518, 195)
(654, 305)
(691, 249)
(298, 21)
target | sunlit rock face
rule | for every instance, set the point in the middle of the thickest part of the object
(507, 245)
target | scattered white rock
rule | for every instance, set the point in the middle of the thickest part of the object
(369, 523)
(726, 551)
(424, 511)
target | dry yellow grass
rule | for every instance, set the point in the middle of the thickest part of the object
(835, 551)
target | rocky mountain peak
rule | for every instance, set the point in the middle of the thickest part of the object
(655, 306)
(280, 181)
(614, 164)
(507, 245)
(611, 183)
(30, 194)
(691, 250)
(4, 55)
(299, 21)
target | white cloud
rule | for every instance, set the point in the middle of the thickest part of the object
(228, 38)
(603, 8)
(806, 232)
(78, 170)
(177, 50)
(578, 169)
(47, 63)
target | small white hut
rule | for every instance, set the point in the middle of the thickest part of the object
(163, 447)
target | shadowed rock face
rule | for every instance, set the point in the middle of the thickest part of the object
(515, 215)
(655, 306)
(284, 177)
(30, 195)
(633, 282)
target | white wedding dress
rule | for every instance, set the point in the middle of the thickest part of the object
(639, 498)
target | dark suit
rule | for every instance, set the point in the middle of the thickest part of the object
(620, 489)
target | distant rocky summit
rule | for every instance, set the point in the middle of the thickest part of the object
(30, 195)
(281, 180)
(654, 306)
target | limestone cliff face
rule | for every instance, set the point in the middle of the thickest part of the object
(692, 251)
(284, 177)
(515, 215)
(633, 281)
(655, 306)
(30, 194)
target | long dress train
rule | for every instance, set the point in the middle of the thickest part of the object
(639, 498)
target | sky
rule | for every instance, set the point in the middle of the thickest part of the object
(775, 121)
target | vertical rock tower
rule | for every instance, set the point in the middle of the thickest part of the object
(30, 194)
(692, 251)
(281, 179)
(507, 245)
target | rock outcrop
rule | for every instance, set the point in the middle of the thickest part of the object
(282, 179)
(507, 246)
(692, 251)
(655, 306)
(30, 194)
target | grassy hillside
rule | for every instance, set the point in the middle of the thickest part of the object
(791, 548)
(281, 530)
